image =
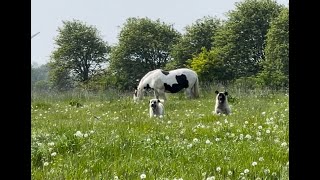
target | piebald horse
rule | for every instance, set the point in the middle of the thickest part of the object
(168, 82)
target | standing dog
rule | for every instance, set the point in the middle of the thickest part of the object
(156, 108)
(222, 106)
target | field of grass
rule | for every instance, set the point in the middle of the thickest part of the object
(113, 138)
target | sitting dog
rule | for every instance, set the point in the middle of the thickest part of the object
(222, 106)
(156, 108)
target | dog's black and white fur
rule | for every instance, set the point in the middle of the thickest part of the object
(222, 106)
(156, 108)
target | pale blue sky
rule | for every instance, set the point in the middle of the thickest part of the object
(108, 15)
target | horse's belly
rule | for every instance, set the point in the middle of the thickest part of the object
(174, 88)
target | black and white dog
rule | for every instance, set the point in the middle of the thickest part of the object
(156, 108)
(222, 106)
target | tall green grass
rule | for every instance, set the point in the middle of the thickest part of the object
(109, 137)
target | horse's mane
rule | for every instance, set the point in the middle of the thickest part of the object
(145, 76)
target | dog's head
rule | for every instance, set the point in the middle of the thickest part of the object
(154, 102)
(221, 96)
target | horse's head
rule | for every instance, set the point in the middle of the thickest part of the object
(138, 94)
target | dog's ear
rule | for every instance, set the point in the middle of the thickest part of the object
(226, 93)
(158, 100)
(217, 92)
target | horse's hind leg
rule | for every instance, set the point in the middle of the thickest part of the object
(189, 93)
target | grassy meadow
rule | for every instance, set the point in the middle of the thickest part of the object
(108, 136)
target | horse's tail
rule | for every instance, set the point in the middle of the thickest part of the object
(195, 88)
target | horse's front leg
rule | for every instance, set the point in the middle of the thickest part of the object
(156, 94)
(163, 94)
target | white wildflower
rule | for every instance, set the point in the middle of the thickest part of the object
(259, 127)
(268, 131)
(45, 164)
(246, 171)
(51, 144)
(53, 154)
(218, 169)
(143, 176)
(261, 159)
(258, 133)
(208, 141)
(284, 144)
(230, 173)
(195, 140)
(78, 134)
(241, 136)
(254, 163)
(85, 135)
(248, 136)
(263, 113)
(211, 178)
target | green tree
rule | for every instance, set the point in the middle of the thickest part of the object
(198, 35)
(80, 53)
(144, 45)
(275, 71)
(241, 41)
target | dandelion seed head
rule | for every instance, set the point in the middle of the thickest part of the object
(78, 134)
(143, 176)
(218, 169)
(211, 178)
(268, 131)
(248, 136)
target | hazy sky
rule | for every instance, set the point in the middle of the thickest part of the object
(109, 15)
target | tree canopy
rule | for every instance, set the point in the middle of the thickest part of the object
(144, 45)
(80, 53)
(198, 35)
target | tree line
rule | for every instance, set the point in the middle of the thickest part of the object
(251, 45)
